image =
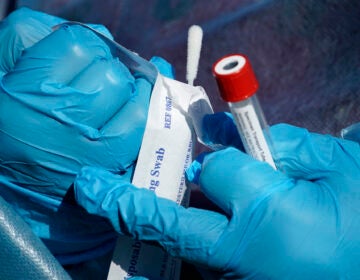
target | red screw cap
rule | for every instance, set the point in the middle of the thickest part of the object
(235, 78)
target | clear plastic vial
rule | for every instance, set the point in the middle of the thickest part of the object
(238, 86)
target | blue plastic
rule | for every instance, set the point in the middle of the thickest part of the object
(23, 255)
(302, 223)
(66, 100)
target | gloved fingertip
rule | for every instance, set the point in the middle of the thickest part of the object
(163, 66)
(20, 30)
(284, 136)
(219, 128)
(194, 170)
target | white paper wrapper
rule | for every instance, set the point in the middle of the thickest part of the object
(176, 109)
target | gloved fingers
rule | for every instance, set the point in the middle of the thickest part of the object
(126, 128)
(119, 133)
(126, 135)
(20, 30)
(102, 89)
(194, 170)
(219, 128)
(137, 107)
(56, 60)
(187, 233)
(311, 156)
(233, 180)
(87, 92)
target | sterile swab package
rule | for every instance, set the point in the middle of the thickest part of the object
(175, 113)
(165, 154)
(238, 85)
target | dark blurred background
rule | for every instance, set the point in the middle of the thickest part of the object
(306, 53)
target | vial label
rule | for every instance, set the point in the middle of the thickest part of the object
(251, 132)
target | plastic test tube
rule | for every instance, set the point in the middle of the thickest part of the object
(237, 84)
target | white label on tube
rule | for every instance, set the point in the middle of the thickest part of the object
(166, 152)
(251, 132)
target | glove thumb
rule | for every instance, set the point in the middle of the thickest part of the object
(233, 180)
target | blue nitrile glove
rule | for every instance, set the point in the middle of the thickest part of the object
(65, 102)
(301, 223)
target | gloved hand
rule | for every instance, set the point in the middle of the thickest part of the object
(299, 223)
(65, 102)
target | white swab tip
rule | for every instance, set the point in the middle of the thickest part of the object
(195, 35)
